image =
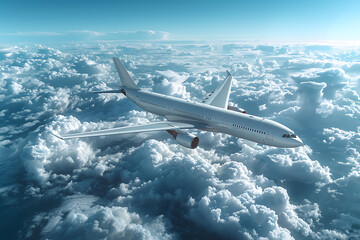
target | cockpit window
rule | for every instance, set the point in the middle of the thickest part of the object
(289, 135)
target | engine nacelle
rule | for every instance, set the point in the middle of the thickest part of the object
(236, 109)
(184, 139)
(187, 140)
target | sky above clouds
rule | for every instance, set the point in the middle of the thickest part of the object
(190, 20)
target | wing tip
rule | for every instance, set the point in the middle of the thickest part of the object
(55, 135)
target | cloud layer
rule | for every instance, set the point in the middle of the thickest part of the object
(145, 186)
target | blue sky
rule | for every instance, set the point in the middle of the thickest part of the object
(192, 20)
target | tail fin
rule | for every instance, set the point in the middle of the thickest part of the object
(125, 78)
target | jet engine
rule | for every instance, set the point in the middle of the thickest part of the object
(185, 139)
(236, 109)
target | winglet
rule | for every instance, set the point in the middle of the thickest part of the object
(55, 135)
(125, 78)
(220, 97)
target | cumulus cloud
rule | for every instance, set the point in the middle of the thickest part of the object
(171, 83)
(334, 78)
(289, 165)
(145, 185)
(80, 217)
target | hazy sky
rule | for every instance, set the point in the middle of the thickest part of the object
(255, 19)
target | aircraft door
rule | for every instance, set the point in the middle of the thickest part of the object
(225, 123)
(221, 122)
(269, 134)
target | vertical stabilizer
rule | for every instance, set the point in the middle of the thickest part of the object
(125, 78)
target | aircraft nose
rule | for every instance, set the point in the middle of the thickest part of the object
(299, 142)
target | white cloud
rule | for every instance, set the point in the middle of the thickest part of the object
(80, 216)
(262, 107)
(335, 79)
(147, 186)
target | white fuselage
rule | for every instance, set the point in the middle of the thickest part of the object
(211, 118)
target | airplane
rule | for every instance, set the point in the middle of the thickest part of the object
(214, 115)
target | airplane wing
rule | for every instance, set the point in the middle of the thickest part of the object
(129, 129)
(108, 91)
(220, 97)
